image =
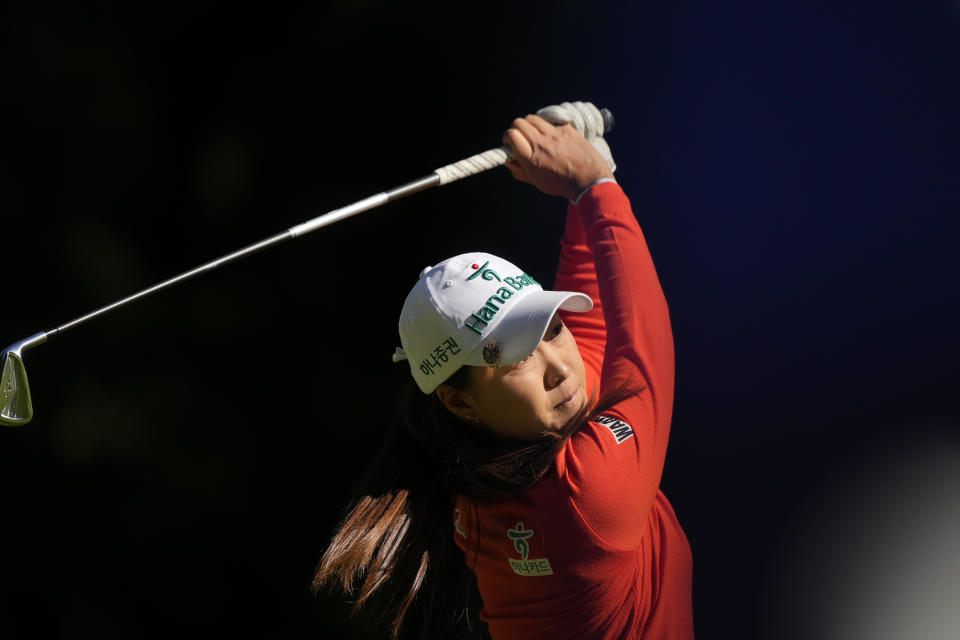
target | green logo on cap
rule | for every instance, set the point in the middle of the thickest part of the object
(488, 274)
(478, 321)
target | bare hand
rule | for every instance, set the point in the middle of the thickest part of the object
(556, 160)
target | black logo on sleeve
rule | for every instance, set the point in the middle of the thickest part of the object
(620, 429)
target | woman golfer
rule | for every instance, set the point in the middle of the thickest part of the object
(526, 467)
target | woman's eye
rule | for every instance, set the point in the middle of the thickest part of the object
(557, 329)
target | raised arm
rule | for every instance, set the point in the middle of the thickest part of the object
(559, 161)
(639, 347)
(612, 467)
(639, 341)
(576, 272)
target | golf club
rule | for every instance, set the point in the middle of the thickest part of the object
(16, 406)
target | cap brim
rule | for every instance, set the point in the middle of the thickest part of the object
(522, 329)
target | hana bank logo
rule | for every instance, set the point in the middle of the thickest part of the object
(479, 320)
(519, 537)
(526, 566)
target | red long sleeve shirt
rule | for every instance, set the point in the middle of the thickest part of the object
(594, 549)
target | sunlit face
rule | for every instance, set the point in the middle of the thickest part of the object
(540, 393)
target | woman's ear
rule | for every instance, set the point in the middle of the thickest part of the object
(459, 403)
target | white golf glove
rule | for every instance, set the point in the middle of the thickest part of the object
(586, 119)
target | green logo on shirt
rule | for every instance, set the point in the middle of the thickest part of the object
(519, 537)
(526, 566)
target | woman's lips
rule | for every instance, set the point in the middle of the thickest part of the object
(568, 398)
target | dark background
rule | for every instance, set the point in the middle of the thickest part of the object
(795, 167)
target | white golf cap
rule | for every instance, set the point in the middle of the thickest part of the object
(476, 309)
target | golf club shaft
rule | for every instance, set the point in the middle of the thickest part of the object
(470, 166)
(444, 175)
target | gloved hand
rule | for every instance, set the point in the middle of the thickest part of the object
(585, 118)
(558, 160)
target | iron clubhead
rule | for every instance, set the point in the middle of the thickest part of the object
(16, 406)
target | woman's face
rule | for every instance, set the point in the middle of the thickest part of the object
(540, 393)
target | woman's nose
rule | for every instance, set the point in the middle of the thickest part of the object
(556, 369)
